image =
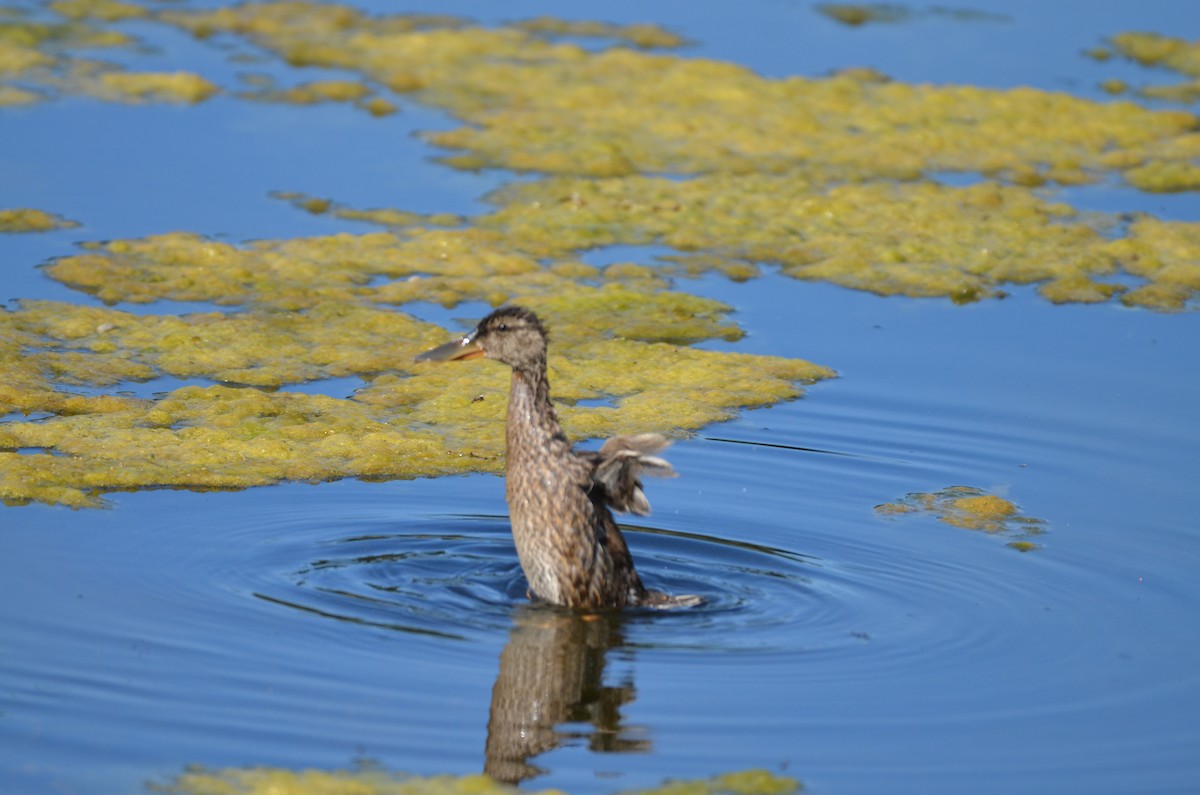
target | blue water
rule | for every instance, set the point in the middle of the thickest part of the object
(316, 625)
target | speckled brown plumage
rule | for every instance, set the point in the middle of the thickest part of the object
(559, 500)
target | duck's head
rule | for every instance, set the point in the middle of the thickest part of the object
(511, 334)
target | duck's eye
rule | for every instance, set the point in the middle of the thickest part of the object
(502, 327)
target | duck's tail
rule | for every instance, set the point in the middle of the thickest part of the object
(620, 465)
(658, 600)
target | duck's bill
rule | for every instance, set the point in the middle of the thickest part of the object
(465, 348)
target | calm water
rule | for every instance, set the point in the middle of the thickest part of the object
(305, 626)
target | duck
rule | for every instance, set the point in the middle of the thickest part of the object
(560, 499)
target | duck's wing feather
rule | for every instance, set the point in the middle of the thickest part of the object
(619, 465)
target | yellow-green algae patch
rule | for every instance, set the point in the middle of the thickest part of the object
(1167, 255)
(282, 273)
(308, 313)
(260, 347)
(1165, 177)
(919, 239)
(533, 104)
(972, 509)
(276, 781)
(855, 14)
(12, 96)
(316, 92)
(383, 216)
(1179, 55)
(26, 44)
(41, 55)
(445, 266)
(106, 10)
(1155, 49)
(180, 87)
(915, 239)
(827, 147)
(622, 112)
(19, 57)
(1184, 93)
(644, 35)
(24, 219)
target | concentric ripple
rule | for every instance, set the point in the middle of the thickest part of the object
(864, 606)
(443, 577)
(456, 576)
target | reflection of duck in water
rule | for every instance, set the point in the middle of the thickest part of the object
(572, 551)
(552, 672)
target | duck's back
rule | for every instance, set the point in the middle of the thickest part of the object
(570, 548)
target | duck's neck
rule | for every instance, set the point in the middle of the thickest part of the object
(533, 427)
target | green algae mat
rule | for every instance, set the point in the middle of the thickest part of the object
(830, 179)
(305, 314)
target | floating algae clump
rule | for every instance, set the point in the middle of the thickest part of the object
(971, 509)
(536, 105)
(384, 216)
(855, 14)
(533, 104)
(107, 10)
(822, 178)
(317, 91)
(275, 781)
(39, 54)
(312, 309)
(320, 91)
(14, 96)
(1167, 254)
(181, 87)
(906, 239)
(915, 239)
(1165, 177)
(18, 57)
(1153, 49)
(29, 220)
(1179, 55)
(443, 266)
(640, 35)
(839, 127)
(797, 172)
